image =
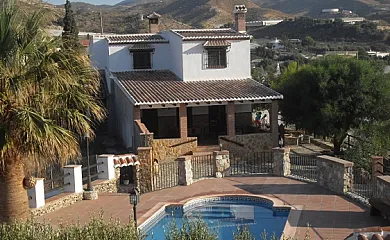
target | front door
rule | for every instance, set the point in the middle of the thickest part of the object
(150, 119)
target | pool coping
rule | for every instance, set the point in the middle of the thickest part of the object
(289, 228)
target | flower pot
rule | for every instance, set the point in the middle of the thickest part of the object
(126, 182)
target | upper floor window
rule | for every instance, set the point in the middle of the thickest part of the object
(216, 58)
(142, 56)
(142, 59)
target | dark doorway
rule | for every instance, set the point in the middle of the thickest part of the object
(217, 121)
(150, 119)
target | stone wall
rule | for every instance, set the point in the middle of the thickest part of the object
(165, 149)
(334, 173)
(383, 188)
(146, 161)
(255, 142)
(222, 163)
(109, 186)
(54, 205)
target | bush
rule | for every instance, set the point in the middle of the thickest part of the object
(96, 229)
(100, 229)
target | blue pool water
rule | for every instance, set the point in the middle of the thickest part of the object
(223, 217)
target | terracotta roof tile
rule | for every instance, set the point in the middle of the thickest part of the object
(210, 34)
(136, 38)
(164, 87)
(217, 43)
(141, 46)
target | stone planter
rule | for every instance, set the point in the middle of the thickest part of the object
(90, 195)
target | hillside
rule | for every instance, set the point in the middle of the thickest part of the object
(323, 31)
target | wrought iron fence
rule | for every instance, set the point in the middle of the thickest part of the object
(167, 176)
(203, 166)
(304, 167)
(363, 184)
(251, 163)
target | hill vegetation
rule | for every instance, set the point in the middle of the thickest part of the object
(322, 30)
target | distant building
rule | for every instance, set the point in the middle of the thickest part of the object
(342, 53)
(276, 44)
(378, 54)
(261, 23)
(353, 20)
(295, 40)
(331, 10)
(346, 12)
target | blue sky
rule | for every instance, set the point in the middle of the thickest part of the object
(96, 2)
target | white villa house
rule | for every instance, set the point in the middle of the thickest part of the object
(189, 86)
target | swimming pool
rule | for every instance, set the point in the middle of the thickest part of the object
(223, 215)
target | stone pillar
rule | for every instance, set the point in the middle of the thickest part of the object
(183, 121)
(282, 164)
(377, 166)
(222, 163)
(36, 195)
(136, 113)
(185, 170)
(231, 119)
(334, 174)
(146, 164)
(73, 179)
(106, 170)
(274, 123)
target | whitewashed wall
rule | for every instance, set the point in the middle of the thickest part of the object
(238, 58)
(124, 117)
(121, 59)
(98, 52)
(175, 56)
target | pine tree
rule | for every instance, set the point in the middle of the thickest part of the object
(70, 34)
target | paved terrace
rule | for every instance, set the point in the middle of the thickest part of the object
(330, 216)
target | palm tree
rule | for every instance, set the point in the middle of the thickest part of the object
(47, 100)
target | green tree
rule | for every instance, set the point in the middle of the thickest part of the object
(70, 34)
(45, 95)
(335, 94)
(308, 41)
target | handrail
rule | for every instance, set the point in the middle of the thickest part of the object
(231, 141)
(185, 142)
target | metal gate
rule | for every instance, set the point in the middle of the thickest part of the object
(167, 176)
(304, 167)
(203, 166)
(251, 163)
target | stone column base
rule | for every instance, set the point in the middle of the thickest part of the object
(90, 195)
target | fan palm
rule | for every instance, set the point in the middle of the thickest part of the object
(47, 100)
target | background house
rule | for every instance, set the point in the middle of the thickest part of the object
(184, 87)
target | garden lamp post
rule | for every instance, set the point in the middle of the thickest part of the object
(89, 183)
(134, 200)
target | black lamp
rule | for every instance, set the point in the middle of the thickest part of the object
(134, 200)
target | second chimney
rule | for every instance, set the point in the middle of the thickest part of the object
(239, 18)
(154, 22)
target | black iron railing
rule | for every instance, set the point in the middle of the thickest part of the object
(363, 184)
(167, 176)
(94, 169)
(251, 163)
(203, 166)
(304, 167)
